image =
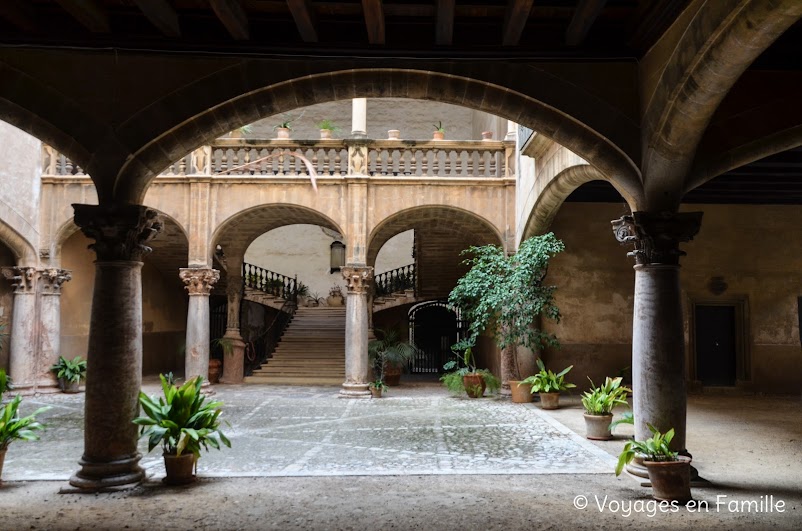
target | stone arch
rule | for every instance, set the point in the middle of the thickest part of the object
(267, 99)
(237, 232)
(24, 252)
(556, 192)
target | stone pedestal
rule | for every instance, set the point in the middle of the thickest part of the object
(658, 341)
(358, 280)
(114, 356)
(22, 345)
(198, 282)
(233, 358)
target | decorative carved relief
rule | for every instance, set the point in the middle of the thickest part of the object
(54, 278)
(356, 160)
(22, 278)
(656, 237)
(120, 231)
(201, 161)
(199, 281)
(358, 278)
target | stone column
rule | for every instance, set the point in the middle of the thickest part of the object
(114, 355)
(658, 342)
(23, 341)
(50, 322)
(198, 282)
(359, 118)
(234, 358)
(358, 279)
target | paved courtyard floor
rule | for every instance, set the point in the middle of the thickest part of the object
(419, 459)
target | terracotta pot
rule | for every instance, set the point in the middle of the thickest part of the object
(438, 135)
(487, 135)
(597, 427)
(549, 400)
(474, 385)
(215, 368)
(2, 459)
(282, 132)
(392, 376)
(393, 134)
(68, 386)
(375, 392)
(325, 134)
(671, 480)
(179, 468)
(520, 394)
(334, 301)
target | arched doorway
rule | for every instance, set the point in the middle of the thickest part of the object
(433, 327)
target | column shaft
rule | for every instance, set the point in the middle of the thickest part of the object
(356, 332)
(22, 344)
(50, 323)
(199, 282)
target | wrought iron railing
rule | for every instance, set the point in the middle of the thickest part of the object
(267, 281)
(395, 281)
(262, 347)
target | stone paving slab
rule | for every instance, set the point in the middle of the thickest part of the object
(294, 431)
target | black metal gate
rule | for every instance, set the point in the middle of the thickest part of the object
(433, 327)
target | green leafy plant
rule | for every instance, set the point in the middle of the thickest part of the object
(327, 124)
(601, 400)
(655, 448)
(546, 381)
(182, 420)
(465, 365)
(438, 127)
(505, 295)
(70, 370)
(389, 350)
(626, 418)
(336, 291)
(378, 384)
(225, 344)
(287, 120)
(12, 426)
(302, 289)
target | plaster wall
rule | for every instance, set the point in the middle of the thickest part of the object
(743, 244)
(6, 307)
(164, 310)
(397, 252)
(21, 190)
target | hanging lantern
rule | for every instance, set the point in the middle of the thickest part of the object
(337, 255)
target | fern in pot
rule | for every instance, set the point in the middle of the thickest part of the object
(599, 403)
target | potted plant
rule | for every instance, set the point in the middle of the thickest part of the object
(327, 127)
(439, 131)
(599, 403)
(548, 385)
(504, 295)
(335, 297)
(464, 377)
(69, 373)
(669, 473)
(183, 422)
(12, 426)
(240, 132)
(389, 355)
(284, 127)
(377, 387)
(313, 300)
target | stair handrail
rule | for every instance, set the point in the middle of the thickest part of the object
(286, 313)
(270, 282)
(396, 280)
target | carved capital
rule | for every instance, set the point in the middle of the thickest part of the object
(199, 281)
(357, 278)
(22, 278)
(121, 232)
(656, 237)
(54, 278)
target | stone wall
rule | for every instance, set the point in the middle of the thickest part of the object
(19, 172)
(6, 306)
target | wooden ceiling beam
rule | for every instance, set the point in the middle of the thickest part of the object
(233, 17)
(304, 18)
(21, 14)
(585, 15)
(515, 19)
(374, 20)
(445, 22)
(162, 15)
(88, 13)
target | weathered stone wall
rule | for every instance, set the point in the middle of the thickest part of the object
(6, 306)
(19, 173)
(164, 310)
(746, 245)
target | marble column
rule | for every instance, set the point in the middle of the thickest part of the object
(23, 341)
(50, 322)
(358, 279)
(114, 355)
(198, 281)
(234, 357)
(359, 118)
(658, 342)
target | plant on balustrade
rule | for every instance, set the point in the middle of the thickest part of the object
(327, 125)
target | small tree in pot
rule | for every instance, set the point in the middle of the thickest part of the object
(599, 403)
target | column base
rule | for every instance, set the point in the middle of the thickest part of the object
(101, 475)
(351, 390)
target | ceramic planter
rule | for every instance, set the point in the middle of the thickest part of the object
(487, 135)
(549, 400)
(325, 134)
(215, 368)
(438, 135)
(474, 385)
(2, 460)
(282, 132)
(334, 301)
(671, 480)
(392, 375)
(520, 394)
(597, 427)
(393, 134)
(179, 468)
(69, 386)
(375, 392)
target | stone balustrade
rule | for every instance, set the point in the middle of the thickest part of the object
(420, 158)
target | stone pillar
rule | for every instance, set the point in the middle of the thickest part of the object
(198, 282)
(358, 279)
(512, 130)
(359, 118)
(114, 355)
(658, 342)
(50, 322)
(23, 342)
(234, 358)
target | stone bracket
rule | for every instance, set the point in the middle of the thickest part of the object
(656, 236)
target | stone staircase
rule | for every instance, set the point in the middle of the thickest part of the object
(394, 299)
(311, 351)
